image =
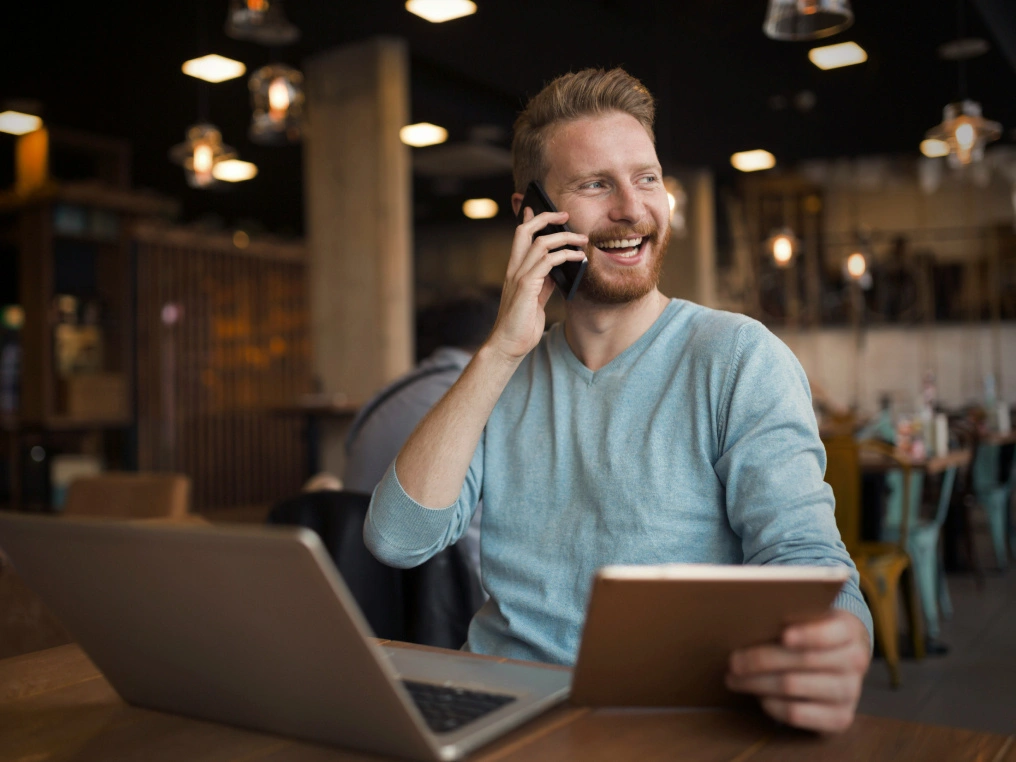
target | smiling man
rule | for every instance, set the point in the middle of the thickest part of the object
(642, 430)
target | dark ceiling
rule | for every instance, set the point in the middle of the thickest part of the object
(113, 68)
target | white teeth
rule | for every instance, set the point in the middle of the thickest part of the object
(620, 243)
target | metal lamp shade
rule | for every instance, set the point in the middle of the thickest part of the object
(261, 21)
(807, 19)
(276, 93)
(199, 154)
(966, 132)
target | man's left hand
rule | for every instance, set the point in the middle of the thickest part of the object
(812, 678)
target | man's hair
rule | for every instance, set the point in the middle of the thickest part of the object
(463, 321)
(590, 92)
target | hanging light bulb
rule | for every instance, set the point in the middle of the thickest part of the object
(806, 19)
(276, 93)
(965, 131)
(678, 200)
(261, 21)
(200, 153)
(782, 245)
(857, 265)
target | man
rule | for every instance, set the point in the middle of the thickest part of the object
(643, 430)
(448, 334)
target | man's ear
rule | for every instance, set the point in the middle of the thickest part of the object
(516, 203)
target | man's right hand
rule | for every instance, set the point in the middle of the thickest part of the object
(522, 317)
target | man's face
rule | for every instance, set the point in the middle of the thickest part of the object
(604, 172)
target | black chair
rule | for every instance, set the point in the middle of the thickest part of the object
(431, 604)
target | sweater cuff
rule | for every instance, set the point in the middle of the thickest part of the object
(851, 603)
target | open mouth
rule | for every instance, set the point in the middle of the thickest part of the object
(621, 248)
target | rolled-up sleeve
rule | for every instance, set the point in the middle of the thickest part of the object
(772, 463)
(402, 533)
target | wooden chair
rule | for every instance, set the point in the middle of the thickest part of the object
(130, 495)
(881, 565)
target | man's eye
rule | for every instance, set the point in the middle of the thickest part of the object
(649, 180)
(594, 185)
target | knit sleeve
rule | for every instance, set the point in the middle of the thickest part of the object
(772, 462)
(400, 532)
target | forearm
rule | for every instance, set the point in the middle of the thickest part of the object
(432, 465)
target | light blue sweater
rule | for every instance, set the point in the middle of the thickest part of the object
(696, 444)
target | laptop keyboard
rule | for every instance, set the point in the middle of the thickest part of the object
(447, 708)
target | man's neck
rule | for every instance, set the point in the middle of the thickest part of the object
(597, 333)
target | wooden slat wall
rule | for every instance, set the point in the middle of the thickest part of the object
(223, 344)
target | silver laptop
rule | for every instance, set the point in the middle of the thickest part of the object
(253, 626)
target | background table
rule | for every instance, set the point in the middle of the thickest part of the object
(55, 705)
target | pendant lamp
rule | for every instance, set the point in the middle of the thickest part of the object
(965, 131)
(806, 19)
(276, 93)
(782, 245)
(199, 154)
(261, 21)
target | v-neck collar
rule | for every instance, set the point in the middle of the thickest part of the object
(560, 345)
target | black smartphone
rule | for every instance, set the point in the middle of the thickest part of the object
(568, 275)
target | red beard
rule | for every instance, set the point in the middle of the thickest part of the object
(621, 286)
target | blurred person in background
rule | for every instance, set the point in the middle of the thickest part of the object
(448, 333)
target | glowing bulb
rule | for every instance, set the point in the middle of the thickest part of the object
(480, 208)
(933, 148)
(783, 250)
(278, 99)
(965, 136)
(203, 159)
(258, 6)
(856, 265)
(672, 200)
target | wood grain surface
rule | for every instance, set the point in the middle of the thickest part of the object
(56, 706)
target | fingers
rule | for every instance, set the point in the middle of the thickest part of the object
(852, 657)
(835, 630)
(821, 687)
(824, 718)
(531, 224)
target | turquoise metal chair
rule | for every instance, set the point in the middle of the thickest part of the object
(922, 541)
(993, 496)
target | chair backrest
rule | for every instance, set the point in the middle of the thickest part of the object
(843, 474)
(888, 453)
(945, 496)
(130, 495)
(431, 604)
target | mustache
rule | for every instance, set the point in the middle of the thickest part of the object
(646, 229)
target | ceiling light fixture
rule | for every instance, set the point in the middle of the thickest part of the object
(438, 11)
(480, 208)
(234, 171)
(934, 148)
(213, 68)
(963, 128)
(276, 93)
(200, 153)
(261, 21)
(17, 123)
(806, 19)
(753, 161)
(782, 245)
(965, 132)
(837, 56)
(423, 134)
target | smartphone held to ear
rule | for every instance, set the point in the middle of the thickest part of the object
(567, 276)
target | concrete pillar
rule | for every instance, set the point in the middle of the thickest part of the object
(357, 188)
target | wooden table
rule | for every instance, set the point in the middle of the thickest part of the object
(55, 705)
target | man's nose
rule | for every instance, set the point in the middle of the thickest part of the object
(627, 206)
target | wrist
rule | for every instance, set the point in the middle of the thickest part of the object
(498, 361)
